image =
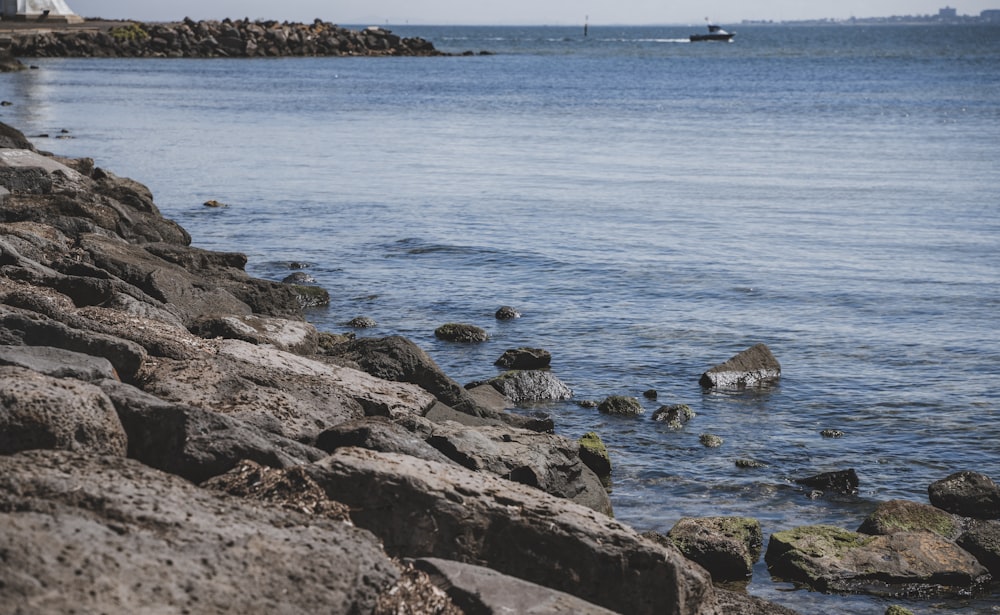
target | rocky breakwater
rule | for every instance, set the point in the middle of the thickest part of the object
(214, 39)
(175, 437)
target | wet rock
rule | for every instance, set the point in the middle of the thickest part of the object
(299, 277)
(215, 204)
(621, 405)
(524, 386)
(194, 443)
(117, 537)
(754, 367)
(595, 455)
(475, 589)
(750, 464)
(362, 322)
(675, 416)
(524, 358)
(650, 394)
(728, 547)
(841, 481)
(903, 516)
(457, 332)
(507, 313)
(968, 494)
(831, 559)
(710, 440)
(895, 609)
(981, 538)
(41, 412)
(832, 433)
(421, 509)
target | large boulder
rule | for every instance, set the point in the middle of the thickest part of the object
(58, 363)
(378, 433)
(831, 559)
(754, 367)
(621, 405)
(423, 509)
(42, 412)
(525, 386)
(12, 138)
(982, 539)
(115, 536)
(524, 358)
(903, 516)
(969, 494)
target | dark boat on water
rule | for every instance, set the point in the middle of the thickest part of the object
(715, 33)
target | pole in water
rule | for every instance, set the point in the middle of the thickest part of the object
(586, 19)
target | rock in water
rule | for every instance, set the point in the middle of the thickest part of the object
(754, 367)
(969, 494)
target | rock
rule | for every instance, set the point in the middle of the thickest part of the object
(522, 386)
(41, 412)
(968, 494)
(415, 593)
(12, 138)
(710, 440)
(895, 609)
(215, 204)
(507, 313)
(398, 359)
(902, 516)
(115, 536)
(422, 509)
(291, 396)
(58, 363)
(832, 433)
(455, 332)
(754, 367)
(981, 538)
(728, 547)
(595, 455)
(362, 322)
(475, 589)
(675, 416)
(650, 394)
(547, 462)
(299, 277)
(381, 434)
(830, 559)
(492, 400)
(750, 464)
(621, 405)
(524, 358)
(842, 481)
(294, 336)
(194, 443)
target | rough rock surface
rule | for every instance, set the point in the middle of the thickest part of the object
(58, 363)
(594, 453)
(903, 516)
(115, 536)
(754, 367)
(675, 416)
(982, 539)
(524, 386)
(621, 405)
(728, 547)
(969, 494)
(840, 481)
(422, 509)
(460, 332)
(905, 563)
(524, 358)
(38, 411)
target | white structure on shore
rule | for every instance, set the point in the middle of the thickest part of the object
(39, 10)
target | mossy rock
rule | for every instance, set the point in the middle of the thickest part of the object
(675, 416)
(131, 32)
(903, 516)
(310, 296)
(898, 610)
(621, 405)
(595, 456)
(709, 440)
(456, 332)
(728, 547)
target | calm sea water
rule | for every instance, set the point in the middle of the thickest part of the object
(651, 206)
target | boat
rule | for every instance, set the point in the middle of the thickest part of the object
(715, 33)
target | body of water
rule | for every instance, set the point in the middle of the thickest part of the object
(651, 207)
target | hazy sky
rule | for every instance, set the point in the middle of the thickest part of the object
(516, 12)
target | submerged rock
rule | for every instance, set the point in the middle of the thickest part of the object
(841, 481)
(457, 332)
(754, 367)
(507, 313)
(675, 416)
(621, 405)
(524, 358)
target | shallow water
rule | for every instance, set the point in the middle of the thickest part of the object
(651, 207)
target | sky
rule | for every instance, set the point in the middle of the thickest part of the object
(517, 12)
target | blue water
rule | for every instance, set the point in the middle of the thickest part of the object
(651, 206)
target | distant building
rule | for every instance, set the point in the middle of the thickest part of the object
(948, 13)
(990, 15)
(38, 10)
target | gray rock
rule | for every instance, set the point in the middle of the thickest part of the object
(709, 440)
(381, 434)
(362, 322)
(675, 416)
(903, 516)
(58, 363)
(507, 313)
(457, 332)
(594, 453)
(840, 481)
(12, 138)
(981, 538)
(294, 336)
(831, 559)
(969, 494)
(195, 443)
(522, 386)
(754, 367)
(728, 547)
(422, 509)
(41, 412)
(475, 589)
(524, 358)
(115, 536)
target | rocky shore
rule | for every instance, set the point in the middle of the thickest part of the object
(175, 437)
(209, 39)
